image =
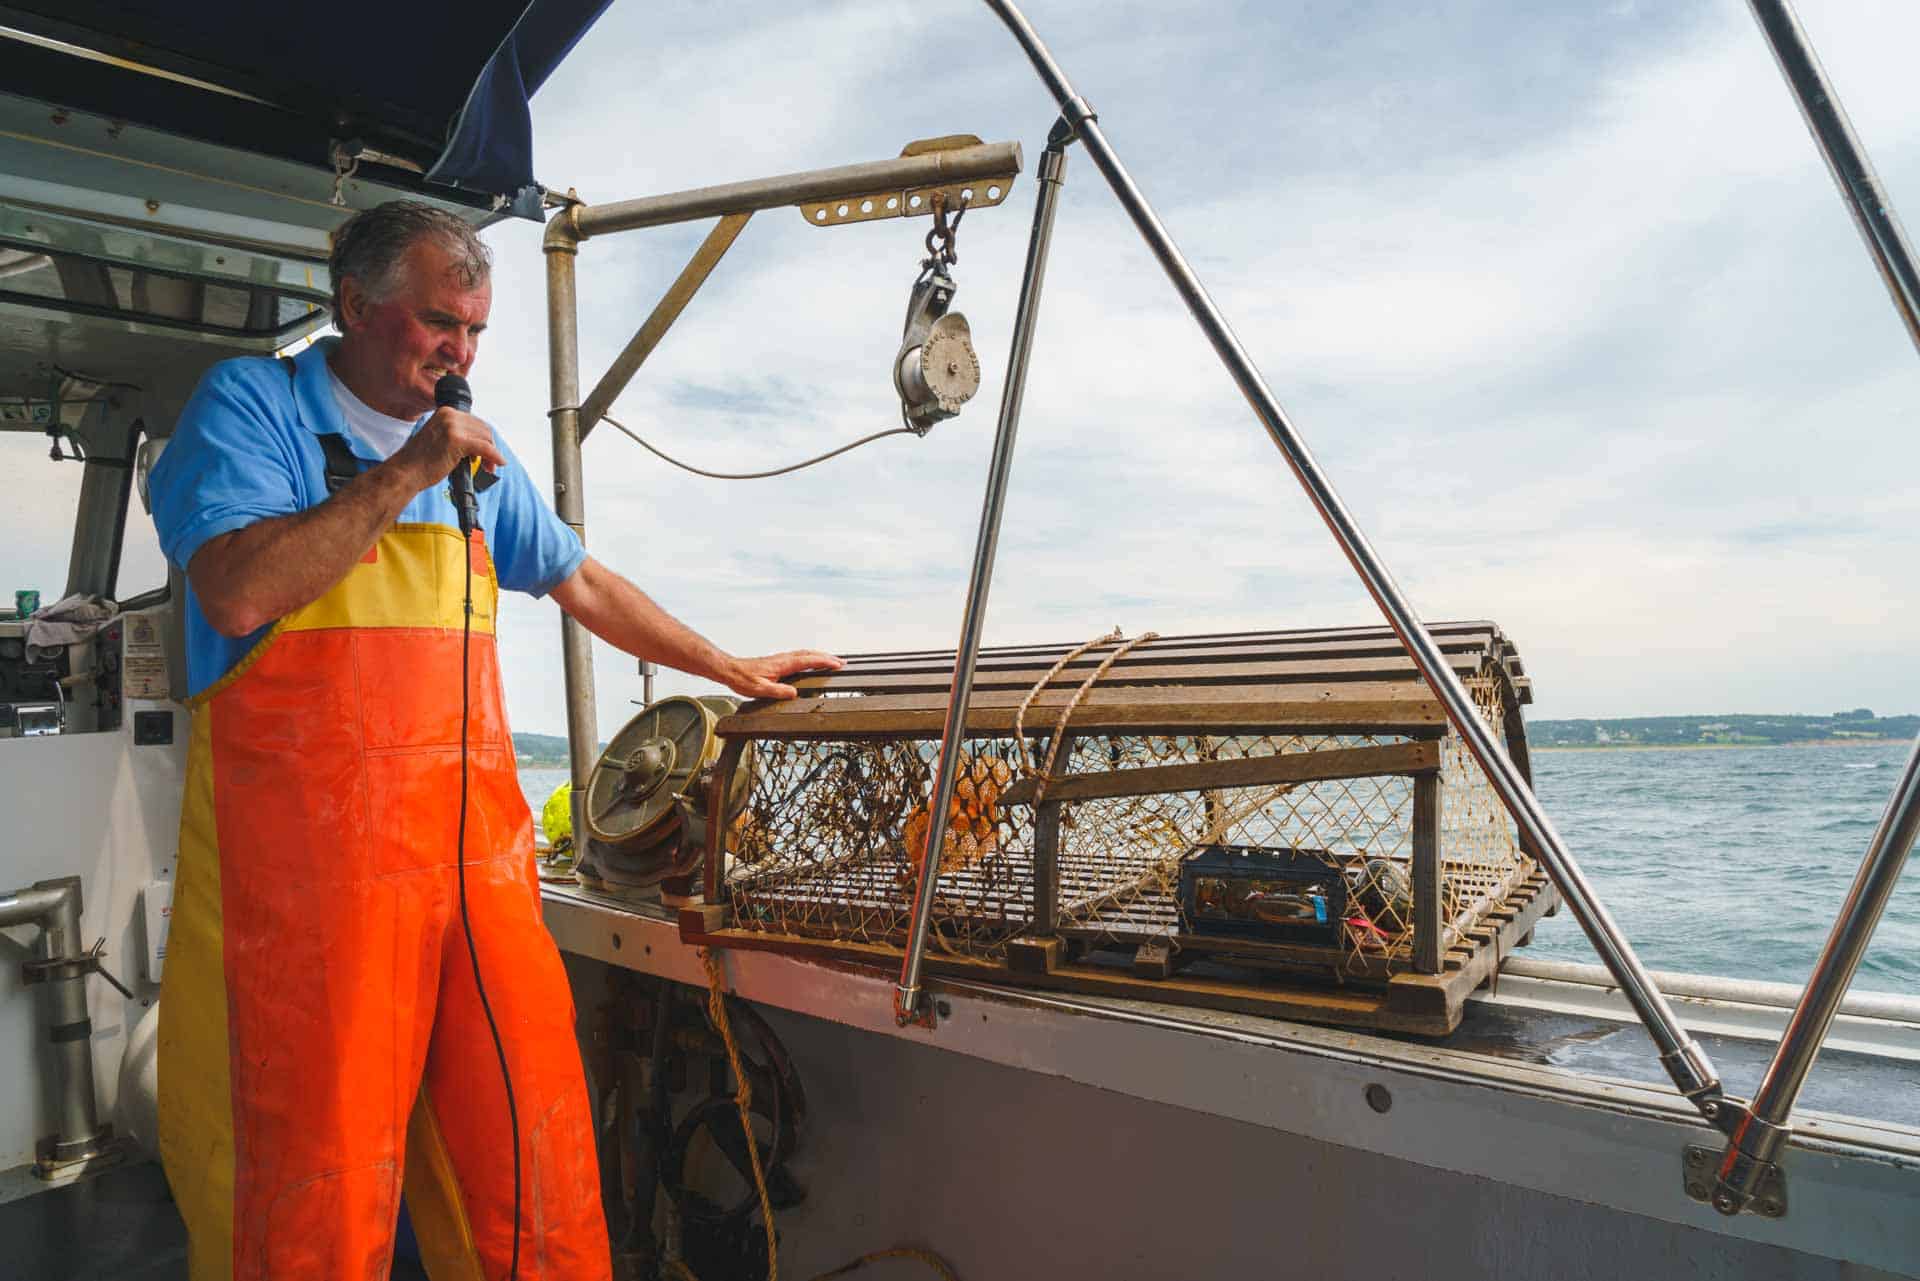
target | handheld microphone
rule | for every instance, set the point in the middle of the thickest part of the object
(452, 392)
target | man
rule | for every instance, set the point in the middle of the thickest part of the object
(322, 1036)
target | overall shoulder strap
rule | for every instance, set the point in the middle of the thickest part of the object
(341, 465)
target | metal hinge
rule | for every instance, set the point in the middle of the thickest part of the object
(1700, 1177)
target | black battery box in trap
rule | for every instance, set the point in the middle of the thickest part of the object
(1263, 892)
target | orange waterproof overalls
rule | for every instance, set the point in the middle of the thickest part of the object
(320, 1034)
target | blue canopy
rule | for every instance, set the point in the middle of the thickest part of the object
(442, 88)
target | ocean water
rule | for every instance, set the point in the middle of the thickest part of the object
(1728, 861)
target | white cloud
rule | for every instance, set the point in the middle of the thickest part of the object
(1563, 301)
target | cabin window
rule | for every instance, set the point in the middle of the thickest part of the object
(30, 274)
(36, 521)
(143, 568)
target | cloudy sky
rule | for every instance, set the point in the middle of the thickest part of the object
(1560, 295)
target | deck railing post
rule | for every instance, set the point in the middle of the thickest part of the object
(1755, 1144)
(562, 248)
(1052, 170)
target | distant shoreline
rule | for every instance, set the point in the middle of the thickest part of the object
(1716, 747)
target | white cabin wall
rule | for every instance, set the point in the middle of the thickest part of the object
(95, 806)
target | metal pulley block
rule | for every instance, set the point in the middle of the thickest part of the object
(647, 797)
(937, 370)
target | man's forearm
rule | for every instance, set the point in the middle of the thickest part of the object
(621, 614)
(250, 577)
(624, 616)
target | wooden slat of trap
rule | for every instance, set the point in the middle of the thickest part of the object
(1180, 655)
(1252, 674)
(1328, 960)
(1283, 636)
(1372, 708)
(1236, 772)
(1343, 1006)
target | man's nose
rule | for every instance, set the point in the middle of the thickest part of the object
(459, 352)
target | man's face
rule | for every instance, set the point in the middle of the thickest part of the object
(428, 327)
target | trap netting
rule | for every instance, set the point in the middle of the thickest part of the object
(827, 843)
(1481, 861)
(820, 847)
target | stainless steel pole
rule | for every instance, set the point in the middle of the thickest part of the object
(1756, 1142)
(1846, 159)
(561, 247)
(55, 905)
(1684, 1060)
(67, 1001)
(24, 907)
(1053, 163)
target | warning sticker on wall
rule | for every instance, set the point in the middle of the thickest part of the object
(143, 670)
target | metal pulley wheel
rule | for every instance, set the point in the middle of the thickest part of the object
(943, 372)
(654, 759)
(936, 370)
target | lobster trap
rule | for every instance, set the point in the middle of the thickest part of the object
(1280, 822)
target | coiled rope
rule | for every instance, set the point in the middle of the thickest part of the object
(743, 1099)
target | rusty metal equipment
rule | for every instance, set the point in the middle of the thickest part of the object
(646, 802)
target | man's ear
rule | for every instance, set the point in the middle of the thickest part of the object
(353, 304)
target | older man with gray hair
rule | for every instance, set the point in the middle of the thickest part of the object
(359, 993)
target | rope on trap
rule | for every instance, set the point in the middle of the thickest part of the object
(1044, 775)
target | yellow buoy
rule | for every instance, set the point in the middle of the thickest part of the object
(556, 816)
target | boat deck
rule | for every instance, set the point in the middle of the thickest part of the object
(1852, 1083)
(120, 1226)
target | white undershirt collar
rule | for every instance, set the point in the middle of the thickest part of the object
(379, 432)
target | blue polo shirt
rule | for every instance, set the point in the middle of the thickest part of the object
(246, 447)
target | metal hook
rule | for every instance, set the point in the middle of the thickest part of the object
(947, 233)
(346, 163)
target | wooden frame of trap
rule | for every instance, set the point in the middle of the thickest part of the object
(1050, 924)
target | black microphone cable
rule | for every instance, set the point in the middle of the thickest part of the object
(452, 391)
